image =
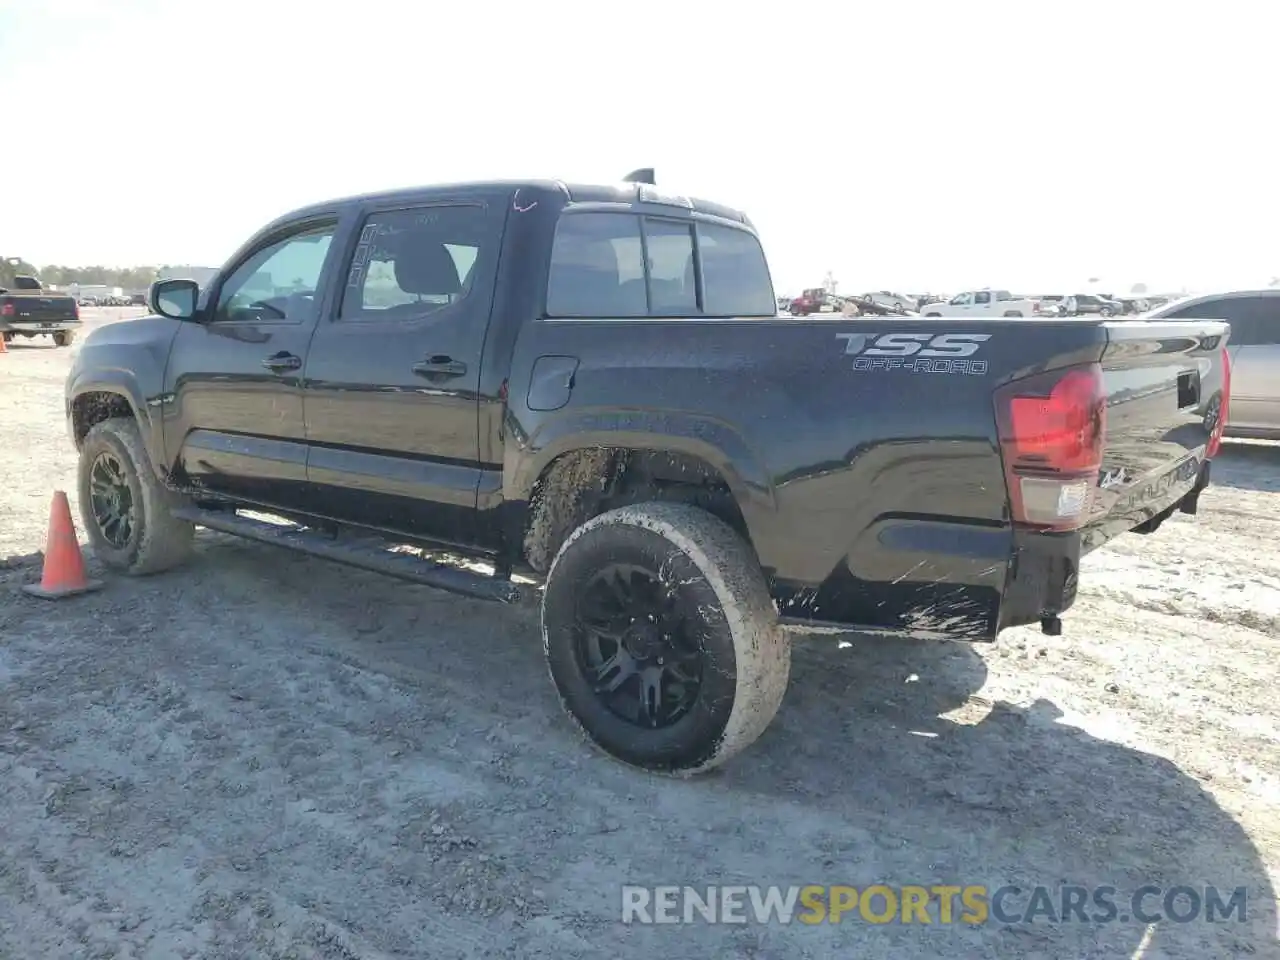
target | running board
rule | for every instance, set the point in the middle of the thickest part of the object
(366, 554)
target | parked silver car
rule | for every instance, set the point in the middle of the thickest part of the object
(1254, 346)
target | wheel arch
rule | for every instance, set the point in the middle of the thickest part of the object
(91, 403)
(586, 475)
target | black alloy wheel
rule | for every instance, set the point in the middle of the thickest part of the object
(111, 500)
(638, 646)
(662, 638)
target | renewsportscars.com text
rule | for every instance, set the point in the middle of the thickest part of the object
(933, 904)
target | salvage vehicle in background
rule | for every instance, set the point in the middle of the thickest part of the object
(1254, 316)
(894, 301)
(1132, 305)
(589, 385)
(1082, 304)
(28, 310)
(813, 300)
(867, 306)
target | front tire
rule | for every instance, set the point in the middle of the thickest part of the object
(124, 506)
(662, 639)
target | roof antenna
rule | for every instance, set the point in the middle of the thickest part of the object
(643, 175)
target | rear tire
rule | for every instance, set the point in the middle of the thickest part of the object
(63, 339)
(116, 478)
(686, 636)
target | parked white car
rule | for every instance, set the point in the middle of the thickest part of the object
(984, 303)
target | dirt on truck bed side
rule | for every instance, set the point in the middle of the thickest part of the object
(265, 755)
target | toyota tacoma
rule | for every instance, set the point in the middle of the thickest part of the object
(590, 386)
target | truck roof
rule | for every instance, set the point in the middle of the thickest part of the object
(572, 193)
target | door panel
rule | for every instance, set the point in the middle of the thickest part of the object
(392, 379)
(234, 422)
(1255, 387)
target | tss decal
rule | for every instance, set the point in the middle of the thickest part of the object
(918, 352)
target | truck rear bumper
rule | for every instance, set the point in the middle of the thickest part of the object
(1043, 579)
(919, 577)
(36, 328)
(966, 582)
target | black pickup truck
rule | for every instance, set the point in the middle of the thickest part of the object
(590, 385)
(28, 310)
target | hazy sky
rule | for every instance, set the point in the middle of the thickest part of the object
(913, 146)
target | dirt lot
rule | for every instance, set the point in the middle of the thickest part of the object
(268, 756)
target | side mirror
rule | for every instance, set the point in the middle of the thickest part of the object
(175, 299)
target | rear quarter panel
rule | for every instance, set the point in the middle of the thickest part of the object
(871, 484)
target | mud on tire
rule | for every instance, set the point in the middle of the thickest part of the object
(662, 639)
(116, 470)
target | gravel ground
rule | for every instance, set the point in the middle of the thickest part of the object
(264, 755)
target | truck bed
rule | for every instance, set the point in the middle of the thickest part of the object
(869, 473)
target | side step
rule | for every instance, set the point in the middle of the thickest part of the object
(366, 554)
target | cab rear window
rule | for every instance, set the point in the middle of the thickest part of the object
(607, 265)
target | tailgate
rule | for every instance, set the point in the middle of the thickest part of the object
(17, 308)
(1164, 384)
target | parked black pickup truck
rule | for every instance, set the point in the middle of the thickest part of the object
(28, 310)
(590, 384)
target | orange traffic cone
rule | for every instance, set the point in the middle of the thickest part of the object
(64, 574)
(4, 346)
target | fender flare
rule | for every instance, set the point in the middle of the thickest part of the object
(709, 439)
(123, 384)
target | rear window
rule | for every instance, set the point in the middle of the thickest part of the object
(735, 274)
(624, 265)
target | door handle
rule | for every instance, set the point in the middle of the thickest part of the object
(282, 361)
(439, 366)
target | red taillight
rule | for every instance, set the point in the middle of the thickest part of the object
(1052, 430)
(1215, 436)
(7, 310)
(75, 309)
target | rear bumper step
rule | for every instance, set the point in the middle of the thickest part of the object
(366, 554)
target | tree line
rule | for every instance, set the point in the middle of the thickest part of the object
(129, 278)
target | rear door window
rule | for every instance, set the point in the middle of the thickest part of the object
(1254, 320)
(597, 267)
(607, 265)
